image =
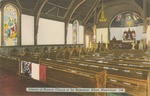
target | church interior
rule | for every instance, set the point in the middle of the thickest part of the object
(74, 44)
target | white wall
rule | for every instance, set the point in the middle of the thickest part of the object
(118, 32)
(69, 35)
(50, 32)
(0, 28)
(27, 30)
(80, 35)
(139, 32)
(148, 34)
(102, 35)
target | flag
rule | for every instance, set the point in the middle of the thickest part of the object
(26, 68)
(35, 71)
(43, 73)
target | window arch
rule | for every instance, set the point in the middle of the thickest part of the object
(10, 25)
(75, 32)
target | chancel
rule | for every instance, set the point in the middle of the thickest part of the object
(94, 46)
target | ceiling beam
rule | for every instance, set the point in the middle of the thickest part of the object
(138, 3)
(138, 7)
(88, 15)
(36, 5)
(57, 12)
(145, 25)
(19, 4)
(76, 4)
(70, 6)
(57, 6)
(50, 10)
(37, 14)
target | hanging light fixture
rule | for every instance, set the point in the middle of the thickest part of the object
(102, 17)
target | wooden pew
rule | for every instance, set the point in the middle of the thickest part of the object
(90, 51)
(45, 53)
(116, 61)
(128, 58)
(133, 86)
(61, 53)
(27, 55)
(125, 72)
(11, 62)
(65, 75)
(53, 53)
(76, 52)
(84, 51)
(73, 77)
(36, 54)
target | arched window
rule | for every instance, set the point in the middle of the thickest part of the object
(10, 25)
(75, 32)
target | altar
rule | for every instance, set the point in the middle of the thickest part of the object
(129, 36)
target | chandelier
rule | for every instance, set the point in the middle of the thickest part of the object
(102, 16)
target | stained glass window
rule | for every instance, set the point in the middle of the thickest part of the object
(128, 16)
(119, 18)
(75, 31)
(10, 21)
(127, 19)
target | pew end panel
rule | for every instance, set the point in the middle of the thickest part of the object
(148, 80)
(135, 87)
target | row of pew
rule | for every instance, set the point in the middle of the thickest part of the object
(133, 74)
(58, 76)
(84, 68)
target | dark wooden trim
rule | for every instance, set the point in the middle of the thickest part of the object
(19, 4)
(95, 26)
(85, 20)
(57, 6)
(42, 45)
(148, 78)
(76, 4)
(50, 10)
(37, 14)
(73, 9)
(71, 4)
(35, 6)
(57, 12)
(1, 27)
(145, 23)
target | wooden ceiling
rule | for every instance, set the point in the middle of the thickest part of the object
(69, 10)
